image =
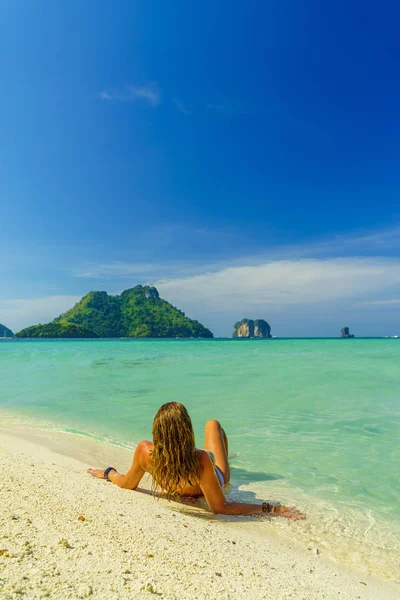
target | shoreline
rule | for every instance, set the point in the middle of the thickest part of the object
(128, 544)
(359, 540)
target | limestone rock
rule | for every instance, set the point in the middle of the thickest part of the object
(151, 292)
(345, 333)
(262, 329)
(248, 328)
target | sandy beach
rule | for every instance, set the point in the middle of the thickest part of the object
(65, 535)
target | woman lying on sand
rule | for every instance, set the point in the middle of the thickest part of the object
(179, 468)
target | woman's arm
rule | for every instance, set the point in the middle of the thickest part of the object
(133, 477)
(218, 503)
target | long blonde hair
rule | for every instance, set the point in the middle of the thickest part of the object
(175, 461)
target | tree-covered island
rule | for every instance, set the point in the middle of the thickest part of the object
(138, 312)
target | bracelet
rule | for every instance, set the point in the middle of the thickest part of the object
(267, 508)
(107, 471)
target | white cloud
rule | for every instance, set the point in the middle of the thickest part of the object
(19, 313)
(150, 93)
(288, 282)
(105, 96)
(180, 107)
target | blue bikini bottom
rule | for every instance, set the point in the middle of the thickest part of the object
(218, 471)
(220, 476)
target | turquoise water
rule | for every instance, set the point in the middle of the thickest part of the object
(314, 422)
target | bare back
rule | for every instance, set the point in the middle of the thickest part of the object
(143, 456)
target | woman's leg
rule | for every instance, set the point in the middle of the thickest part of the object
(216, 441)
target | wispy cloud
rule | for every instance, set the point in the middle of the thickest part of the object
(118, 270)
(380, 240)
(163, 239)
(142, 272)
(283, 283)
(388, 303)
(106, 96)
(226, 109)
(150, 93)
(180, 107)
(233, 107)
(361, 243)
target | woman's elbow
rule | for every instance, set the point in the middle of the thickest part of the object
(122, 482)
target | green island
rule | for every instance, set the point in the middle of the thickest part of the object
(138, 312)
(5, 332)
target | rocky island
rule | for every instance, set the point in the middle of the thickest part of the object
(345, 333)
(248, 328)
(137, 312)
(5, 332)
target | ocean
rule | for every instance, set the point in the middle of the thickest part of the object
(310, 422)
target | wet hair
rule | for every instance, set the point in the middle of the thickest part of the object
(175, 461)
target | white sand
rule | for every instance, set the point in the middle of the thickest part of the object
(130, 545)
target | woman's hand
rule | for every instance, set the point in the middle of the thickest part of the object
(289, 512)
(99, 473)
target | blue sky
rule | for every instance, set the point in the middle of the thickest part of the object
(243, 157)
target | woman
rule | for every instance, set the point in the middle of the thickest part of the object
(179, 468)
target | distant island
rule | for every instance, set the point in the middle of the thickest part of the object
(345, 333)
(248, 328)
(138, 312)
(5, 332)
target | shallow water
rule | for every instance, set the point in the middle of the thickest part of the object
(313, 422)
